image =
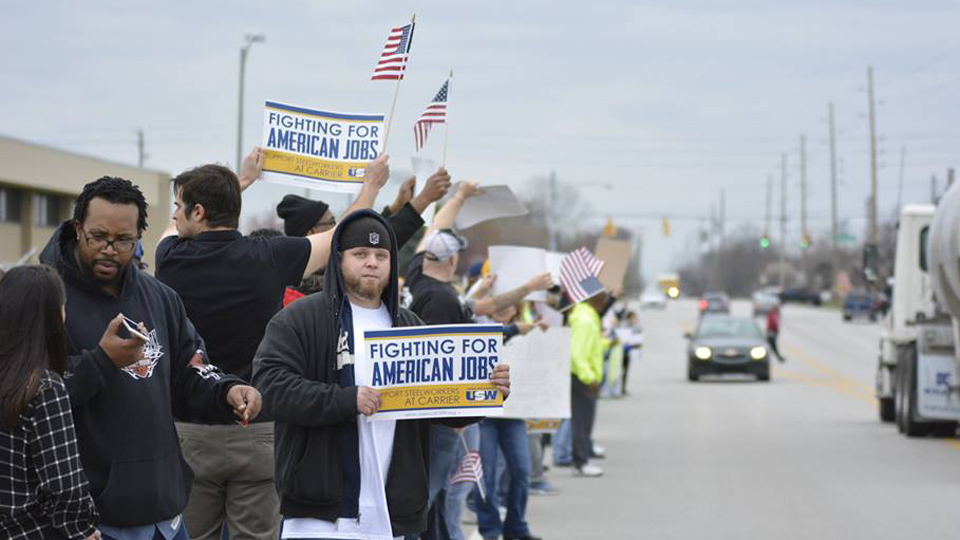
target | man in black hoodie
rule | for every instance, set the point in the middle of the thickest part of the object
(126, 391)
(339, 475)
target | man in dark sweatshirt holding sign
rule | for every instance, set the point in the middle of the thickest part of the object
(340, 476)
(127, 384)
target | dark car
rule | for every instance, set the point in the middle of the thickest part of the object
(716, 302)
(726, 344)
(861, 306)
(800, 295)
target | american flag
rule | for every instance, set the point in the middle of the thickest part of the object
(470, 470)
(578, 275)
(393, 59)
(435, 113)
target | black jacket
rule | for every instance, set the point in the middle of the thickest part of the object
(124, 418)
(304, 370)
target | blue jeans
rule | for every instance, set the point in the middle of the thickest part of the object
(510, 436)
(456, 495)
(562, 443)
(444, 442)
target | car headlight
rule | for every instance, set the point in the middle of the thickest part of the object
(758, 353)
(703, 353)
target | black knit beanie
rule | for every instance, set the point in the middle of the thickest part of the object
(300, 214)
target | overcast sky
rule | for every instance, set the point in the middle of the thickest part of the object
(665, 103)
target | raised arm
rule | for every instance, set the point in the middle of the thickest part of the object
(374, 178)
(448, 212)
(491, 305)
(435, 189)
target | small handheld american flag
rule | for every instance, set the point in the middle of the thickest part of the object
(393, 59)
(435, 113)
(470, 470)
(578, 275)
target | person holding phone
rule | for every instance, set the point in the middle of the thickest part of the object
(44, 495)
(127, 389)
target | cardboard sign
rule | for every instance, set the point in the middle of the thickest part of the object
(308, 148)
(616, 255)
(539, 374)
(514, 266)
(539, 425)
(492, 202)
(432, 371)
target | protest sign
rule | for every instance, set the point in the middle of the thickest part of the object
(616, 255)
(538, 425)
(514, 266)
(423, 168)
(432, 371)
(554, 259)
(493, 202)
(308, 148)
(539, 374)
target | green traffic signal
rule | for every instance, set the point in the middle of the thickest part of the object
(764, 242)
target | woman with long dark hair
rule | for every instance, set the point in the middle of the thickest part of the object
(43, 494)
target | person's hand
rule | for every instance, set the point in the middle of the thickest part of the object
(437, 186)
(94, 536)
(377, 172)
(486, 284)
(595, 388)
(540, 282)
(501, 379)
(467, 189)
(617, 291)
(251, 167)
(122, 352)
(404, 195)
(368, 400)
(245, 401)
(543, 326)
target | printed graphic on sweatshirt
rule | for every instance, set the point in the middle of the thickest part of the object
(150, 354)
(206, 371)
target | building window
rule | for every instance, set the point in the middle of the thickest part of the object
(46, 210)
(9, 205)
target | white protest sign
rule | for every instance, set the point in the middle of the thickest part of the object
(432, 371)
(539, 374)
(308, 148)
(492, 202)
(554, 259)
(423, 168)
(514, 266)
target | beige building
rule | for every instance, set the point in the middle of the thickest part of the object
(38, 185)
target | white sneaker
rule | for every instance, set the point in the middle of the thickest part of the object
(599, 452)
(588, 471)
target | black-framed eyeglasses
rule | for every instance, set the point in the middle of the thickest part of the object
(99, 243)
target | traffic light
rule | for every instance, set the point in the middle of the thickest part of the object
(764, 242)
(805, 242)
(610, 229)
(665, 225)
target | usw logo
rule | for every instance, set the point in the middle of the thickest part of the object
(482, 395)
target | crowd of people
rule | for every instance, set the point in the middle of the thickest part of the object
(218, 398)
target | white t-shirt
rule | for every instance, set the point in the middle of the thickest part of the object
(376, 450)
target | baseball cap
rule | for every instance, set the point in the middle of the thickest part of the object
(443, 244)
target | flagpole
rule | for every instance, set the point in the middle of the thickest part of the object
(396, 93)
(446, 128)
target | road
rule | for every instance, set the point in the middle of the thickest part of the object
(801, 457)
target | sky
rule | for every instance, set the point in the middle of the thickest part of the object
(649, 108)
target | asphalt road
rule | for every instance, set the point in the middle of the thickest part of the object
(801, 457)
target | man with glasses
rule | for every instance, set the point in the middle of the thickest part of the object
(129, 382)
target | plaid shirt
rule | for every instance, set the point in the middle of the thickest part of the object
(43, 491)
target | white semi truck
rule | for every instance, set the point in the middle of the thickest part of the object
(917, 376)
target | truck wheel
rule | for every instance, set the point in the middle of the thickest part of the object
(887, 409)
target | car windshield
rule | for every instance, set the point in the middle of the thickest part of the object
(727, 328)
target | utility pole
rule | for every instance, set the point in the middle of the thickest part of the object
(249, 40)
(834, 214)
(551, 209)
(804, 235)
(933, 189)
(783, 219)
(723, 217)
(874, 231)
(141, 155)
(766, 222)
(903, 158)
